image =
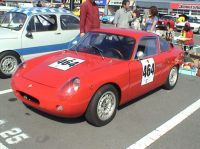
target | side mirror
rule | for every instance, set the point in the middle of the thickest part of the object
(140, 55)
(29, 35)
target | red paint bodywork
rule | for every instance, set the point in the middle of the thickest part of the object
(94, 72)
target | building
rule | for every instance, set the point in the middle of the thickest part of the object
(188, 7)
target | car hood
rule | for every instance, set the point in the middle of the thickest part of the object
(6, 33)
(55, 70)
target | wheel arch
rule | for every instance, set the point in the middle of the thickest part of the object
(108, 83)
(12, 51)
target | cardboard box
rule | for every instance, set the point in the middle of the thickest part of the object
(196, 59)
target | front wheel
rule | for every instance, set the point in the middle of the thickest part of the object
(8, 64)
(172, 78)
(103, 106)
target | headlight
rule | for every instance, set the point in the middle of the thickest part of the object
(69, 88)
(76, 84)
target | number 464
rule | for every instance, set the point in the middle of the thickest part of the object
(13, 136)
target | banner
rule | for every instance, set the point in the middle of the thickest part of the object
(185, 6)
(98, 2)
(119, 2)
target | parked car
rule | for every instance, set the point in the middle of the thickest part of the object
(29, 32)
(166, 20)
(106, 69)
(107, 19)
(194, 25)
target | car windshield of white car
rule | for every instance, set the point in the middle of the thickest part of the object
(106, 45)
(13, 20)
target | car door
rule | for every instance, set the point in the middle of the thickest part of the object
(146, 73)
(41, 36)
(165, 55)
(70, 26)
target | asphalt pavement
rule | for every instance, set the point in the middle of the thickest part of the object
(22, 127)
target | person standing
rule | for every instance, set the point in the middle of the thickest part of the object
(123, 16)
(39, 4)
(188, 34)
(152, 20)
(89, 17)
(136, 24)
(169, 36)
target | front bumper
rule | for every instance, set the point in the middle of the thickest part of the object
(45, 98)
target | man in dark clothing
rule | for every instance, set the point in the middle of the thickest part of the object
(39, 4)
(89, 17)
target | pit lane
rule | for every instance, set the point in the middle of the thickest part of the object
(132, 122)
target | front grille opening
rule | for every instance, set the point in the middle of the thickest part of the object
(29, 98)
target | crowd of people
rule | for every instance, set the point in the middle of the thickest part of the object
(125, 18)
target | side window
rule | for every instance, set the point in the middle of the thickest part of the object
(69, 22)
(164, 45)
(148, 46)
(41, 23)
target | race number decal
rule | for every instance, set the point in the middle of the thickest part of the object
(148, 70)
(66, 63)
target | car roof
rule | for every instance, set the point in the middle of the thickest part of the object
(125, 32)
(37, 10)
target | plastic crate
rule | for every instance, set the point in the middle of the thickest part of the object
(191, 72)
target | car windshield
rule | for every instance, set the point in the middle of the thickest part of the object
(106, 45)
(13, 20)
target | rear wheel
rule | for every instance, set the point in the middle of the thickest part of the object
(8, 64)
(172, 78)
(103, 106)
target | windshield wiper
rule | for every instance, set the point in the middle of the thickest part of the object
(99, 50)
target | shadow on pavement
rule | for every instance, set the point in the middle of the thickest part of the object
(140, 98)
(55, 118)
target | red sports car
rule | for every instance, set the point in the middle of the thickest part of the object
(106, 69)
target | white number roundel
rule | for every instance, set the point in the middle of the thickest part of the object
(148, 70)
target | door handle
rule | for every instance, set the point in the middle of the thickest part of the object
(58, 33)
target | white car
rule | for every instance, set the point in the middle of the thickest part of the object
(194, 25)
(30, 32)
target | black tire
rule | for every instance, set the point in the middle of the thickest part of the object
(16, 61)
(92, 116)
(170, 85)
